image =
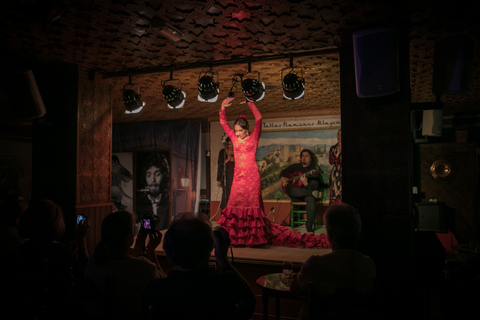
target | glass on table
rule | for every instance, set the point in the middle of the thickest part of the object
(287, 270)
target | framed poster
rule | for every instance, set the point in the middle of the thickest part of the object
(152, 183)
(122, 181)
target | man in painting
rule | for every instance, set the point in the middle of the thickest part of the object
(226, 166)
(300, 180)
(153, 198)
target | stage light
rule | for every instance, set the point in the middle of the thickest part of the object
(253, 90)
(173, 95)
(207, 87)
(132, 99)
(293, 85)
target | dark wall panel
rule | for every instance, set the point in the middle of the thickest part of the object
(457, 190)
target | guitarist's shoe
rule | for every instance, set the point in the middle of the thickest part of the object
(317, 194)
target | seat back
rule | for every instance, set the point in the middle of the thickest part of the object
(345, 303)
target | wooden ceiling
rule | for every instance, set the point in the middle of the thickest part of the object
(122, 38)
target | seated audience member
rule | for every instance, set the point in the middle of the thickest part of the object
(78, 250)
(44, 264)
(192, 290)
(10, 240)
(118, 273)
(344, 272)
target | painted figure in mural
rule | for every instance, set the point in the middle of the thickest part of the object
(153, 199)
(300, 181)
(244, 216)
(226, 165)
(335, 159)
(120, 177)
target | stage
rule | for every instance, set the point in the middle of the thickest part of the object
(253, 263)
(267, 255)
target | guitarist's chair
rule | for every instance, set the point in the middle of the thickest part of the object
(298, 212)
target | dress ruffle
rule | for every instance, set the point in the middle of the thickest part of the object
(285, 237)
(245, 226)
(250, 227)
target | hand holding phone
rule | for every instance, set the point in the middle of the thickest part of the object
(81, 219)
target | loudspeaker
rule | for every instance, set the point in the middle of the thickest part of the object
(376, 62)
(432, 122)
(20, 95)
(453, 65)
(432, 217)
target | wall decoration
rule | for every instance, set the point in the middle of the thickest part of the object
(122, 181)
(152, 178)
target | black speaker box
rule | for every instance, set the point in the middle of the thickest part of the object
(453, 65)
(20, 97)
(376, 62)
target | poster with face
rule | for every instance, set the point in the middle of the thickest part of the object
(152, 199)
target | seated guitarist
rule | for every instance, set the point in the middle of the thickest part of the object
(301, 190)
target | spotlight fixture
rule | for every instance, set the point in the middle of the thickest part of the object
(173, 95)
(207, 87)
(132, 99)
(253, 89)
(293, 85)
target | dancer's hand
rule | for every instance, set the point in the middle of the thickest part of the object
(227, 102)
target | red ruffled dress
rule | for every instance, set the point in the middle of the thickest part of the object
(244, 216)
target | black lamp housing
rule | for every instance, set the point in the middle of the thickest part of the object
(208, 89)
(253, 89)
(173, 95)
(132, 100)
(293, 85)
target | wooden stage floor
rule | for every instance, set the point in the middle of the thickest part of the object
(268, 255)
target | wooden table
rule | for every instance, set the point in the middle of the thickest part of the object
(274, 285)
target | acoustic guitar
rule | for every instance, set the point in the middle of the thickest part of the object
(295, 178)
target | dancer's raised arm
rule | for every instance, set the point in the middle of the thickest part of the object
(223, 117)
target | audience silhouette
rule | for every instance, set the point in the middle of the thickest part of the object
(44, 265)
(193, 290)
(116, 275)
(340, 284)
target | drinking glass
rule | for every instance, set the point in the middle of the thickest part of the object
(287, 269)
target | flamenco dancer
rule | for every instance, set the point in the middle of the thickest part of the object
(244, 216)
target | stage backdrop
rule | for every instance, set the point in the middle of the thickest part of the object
(177, 139)
(279, 146)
